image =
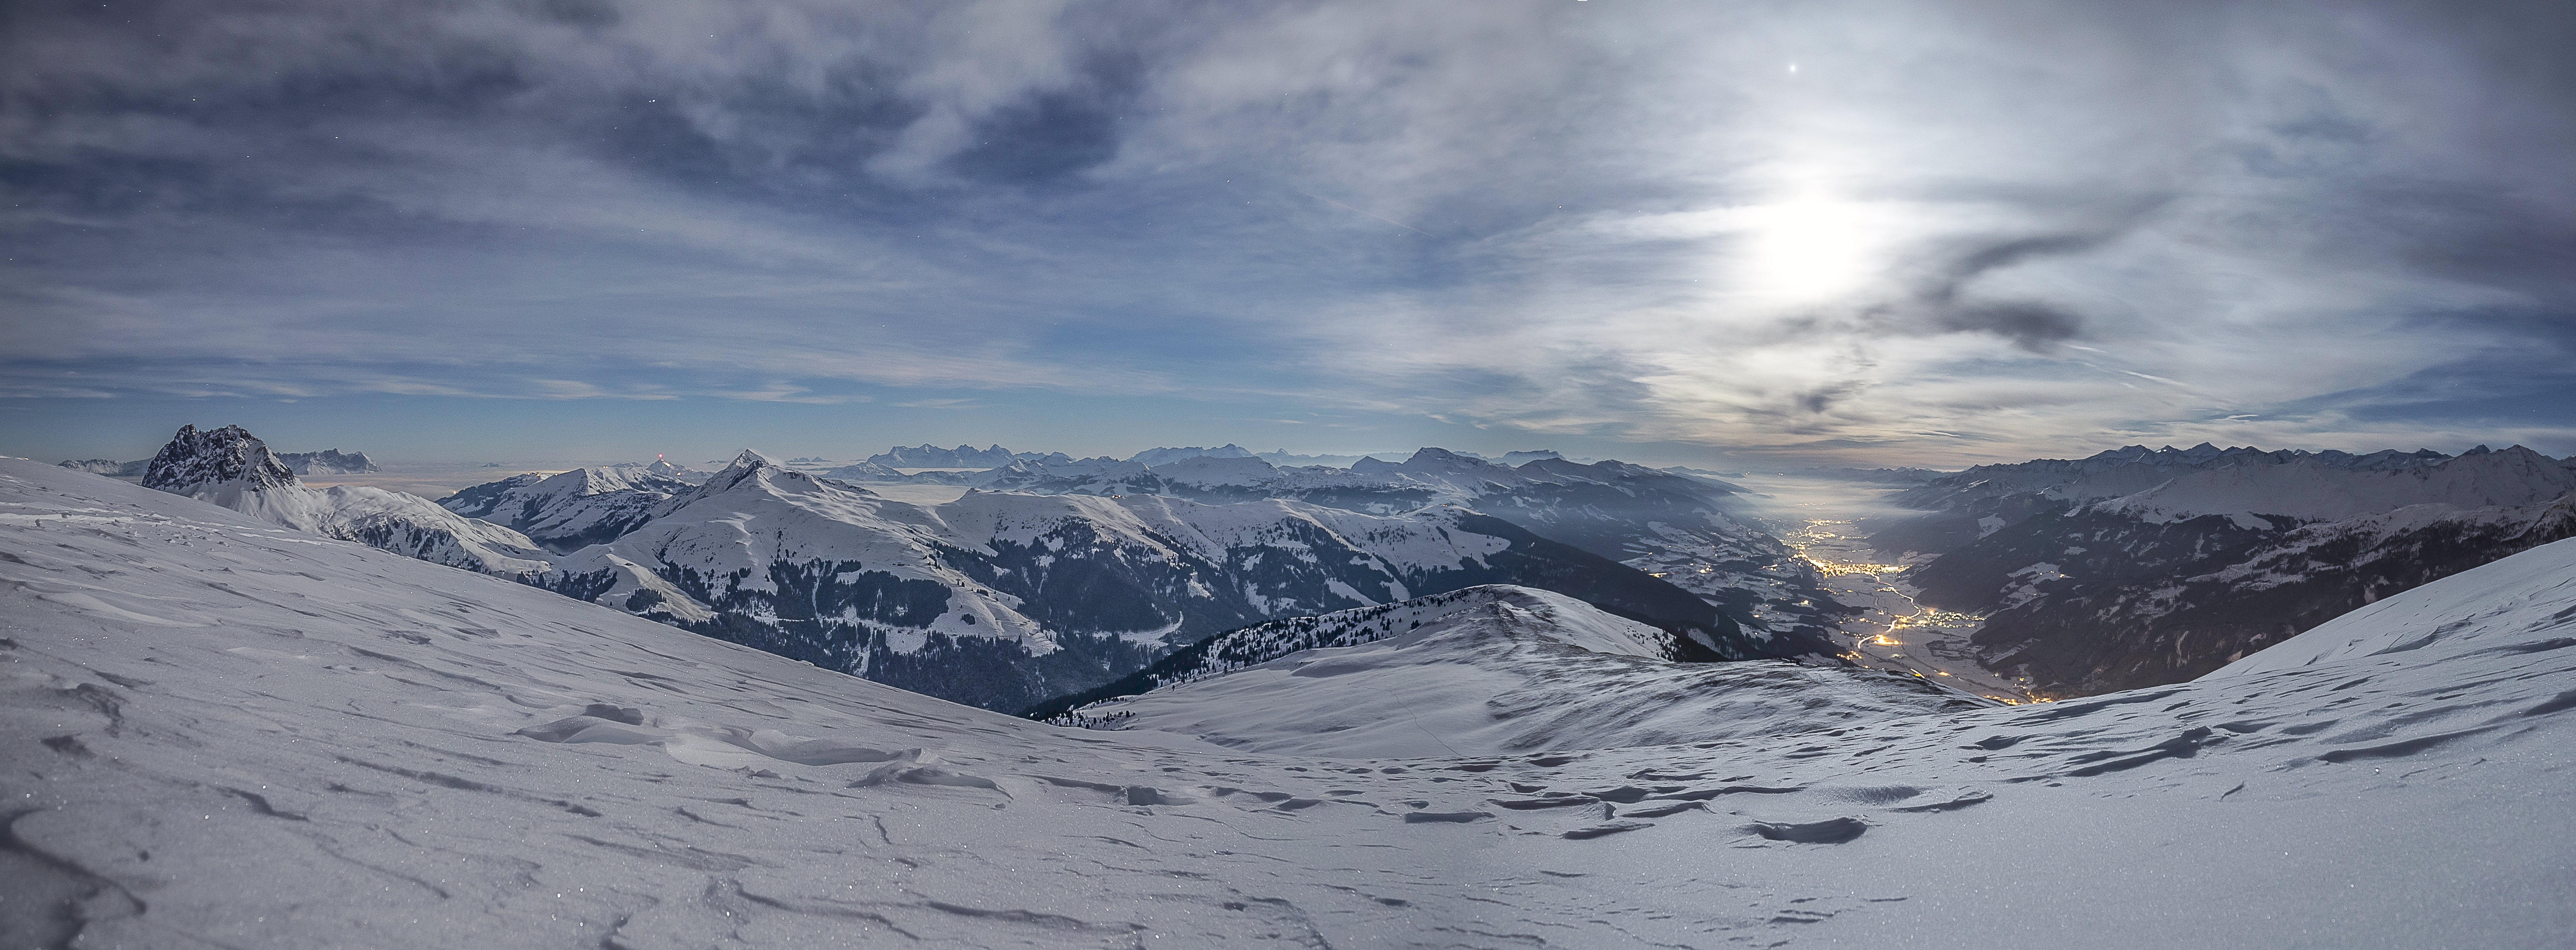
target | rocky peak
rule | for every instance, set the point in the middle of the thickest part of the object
(752, 471)
(231, 454)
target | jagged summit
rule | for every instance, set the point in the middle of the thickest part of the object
(964, 455)
(751, 471)
(194, 459)
(1166, 456)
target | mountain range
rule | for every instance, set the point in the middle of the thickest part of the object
(2141, 567)
(325, 462)
(230, 468)
(382, 752)
(1694, 532)
(568, 511)
(1003, 599)
(963, 456)
(1000, 599)
(1052, 576)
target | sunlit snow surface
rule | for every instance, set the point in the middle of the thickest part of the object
(219, 732)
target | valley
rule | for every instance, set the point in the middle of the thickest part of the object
(1884, 627)
(1889, 629)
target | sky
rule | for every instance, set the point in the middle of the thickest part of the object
(1850, 233)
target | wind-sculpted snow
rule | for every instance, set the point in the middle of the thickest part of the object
(217, 731)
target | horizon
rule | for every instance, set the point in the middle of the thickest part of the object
(1749, 466)
(1825, 234)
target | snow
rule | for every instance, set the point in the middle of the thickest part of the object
(755, 514)
(2311, 490)
(2499, 609)
(405, 523)
(923, 495)
(354, 748)
(1493, 670)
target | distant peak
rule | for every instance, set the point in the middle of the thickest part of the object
(1430, 457)
(195, 458)
(743, 468)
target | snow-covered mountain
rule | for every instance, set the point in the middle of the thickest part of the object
(1968, 505)
(109, 467)
(327, 462)
(1479, 671)
(231, 468)
(570, 510)
(963, 456)
(665, 469)
(2217, 553)
(1164, 456)
(2166, 601)
(1682, 528)
(218, 731)
(1003, 599)
(866, 472)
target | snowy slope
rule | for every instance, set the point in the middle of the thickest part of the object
(217, 731)
(109, 467)
(1488, 671)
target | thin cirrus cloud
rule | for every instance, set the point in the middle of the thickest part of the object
(1952, 233)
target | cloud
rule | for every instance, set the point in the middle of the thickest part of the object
(1957, 229)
